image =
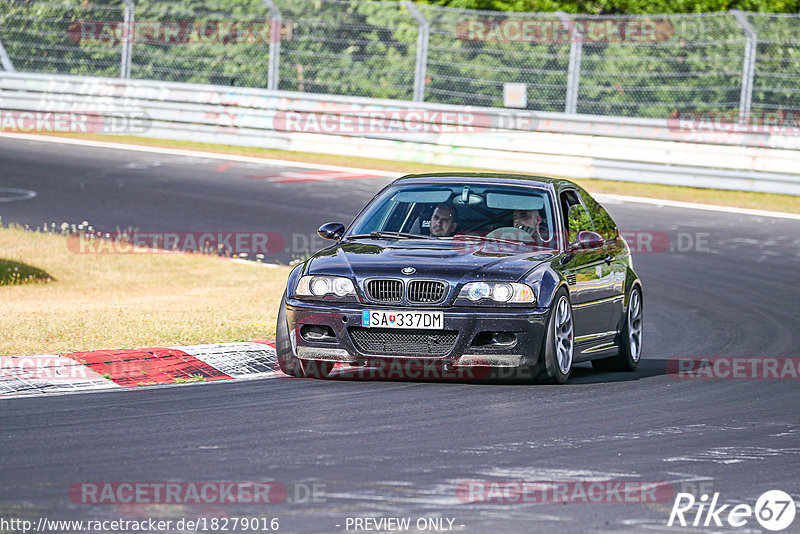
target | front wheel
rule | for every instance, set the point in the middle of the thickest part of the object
(630, 339)
(559, 343)
(287, 361)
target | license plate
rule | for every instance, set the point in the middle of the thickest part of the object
(431, 320)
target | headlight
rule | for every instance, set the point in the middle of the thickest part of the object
(320, 286)
(477, 290)
(343, 286)
(504, 292)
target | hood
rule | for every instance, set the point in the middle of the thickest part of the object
(452, 260)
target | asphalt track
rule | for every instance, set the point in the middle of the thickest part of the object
(400, 449)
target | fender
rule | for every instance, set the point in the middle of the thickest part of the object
(294, 277)
(547, 281)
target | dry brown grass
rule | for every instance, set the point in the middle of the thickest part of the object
(110, 301)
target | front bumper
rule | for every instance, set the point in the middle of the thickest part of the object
(526, 326)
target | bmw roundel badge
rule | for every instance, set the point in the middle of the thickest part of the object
(408, 270)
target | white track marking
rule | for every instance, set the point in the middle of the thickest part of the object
(9, 194)
(733, 455)
(197, 154)
(605, 198)
(567, 475)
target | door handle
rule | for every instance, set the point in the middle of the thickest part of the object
(609, 258)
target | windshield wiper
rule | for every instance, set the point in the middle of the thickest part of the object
(398, 235)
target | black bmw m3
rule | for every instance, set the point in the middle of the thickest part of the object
(466, 275)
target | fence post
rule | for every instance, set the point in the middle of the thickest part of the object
(748, 68)
(422, 51)
(274, 44)
(574, 68)
(127, 42)
(5, 61)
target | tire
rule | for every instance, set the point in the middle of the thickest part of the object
(559, 343)
(287, 361)
(630, 338)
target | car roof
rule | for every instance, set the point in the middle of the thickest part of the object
(487, 177)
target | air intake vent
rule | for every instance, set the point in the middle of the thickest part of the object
(572, 279)
(396, 342)
(390, 291)
(426, 291)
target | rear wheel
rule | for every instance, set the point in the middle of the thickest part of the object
(559, 342)
(630, 338)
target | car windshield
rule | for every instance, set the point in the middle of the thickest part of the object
(445, 211)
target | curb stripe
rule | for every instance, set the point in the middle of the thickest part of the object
(47, 374)
(237, 360)
(126, 368)
(142, 367)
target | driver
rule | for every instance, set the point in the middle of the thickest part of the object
(527, 220)
(444, 221)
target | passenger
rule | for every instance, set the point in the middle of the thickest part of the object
(530, 222)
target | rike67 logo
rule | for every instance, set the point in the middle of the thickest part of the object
(774, 510)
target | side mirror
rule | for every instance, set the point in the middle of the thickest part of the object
(332, 230)
(587, 240)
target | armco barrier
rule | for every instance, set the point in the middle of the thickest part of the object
(574, 146)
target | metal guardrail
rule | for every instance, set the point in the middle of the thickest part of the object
(581, 147)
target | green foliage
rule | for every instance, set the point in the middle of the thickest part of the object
(603, 223)
(14, 272)
(369, 49)
(579, 220)
(628, 7)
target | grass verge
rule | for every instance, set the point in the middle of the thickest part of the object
(740, 199)
(15, 273)
(111, 301)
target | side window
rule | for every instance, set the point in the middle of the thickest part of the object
(603, 222)
(576, 216)
(579, 220)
